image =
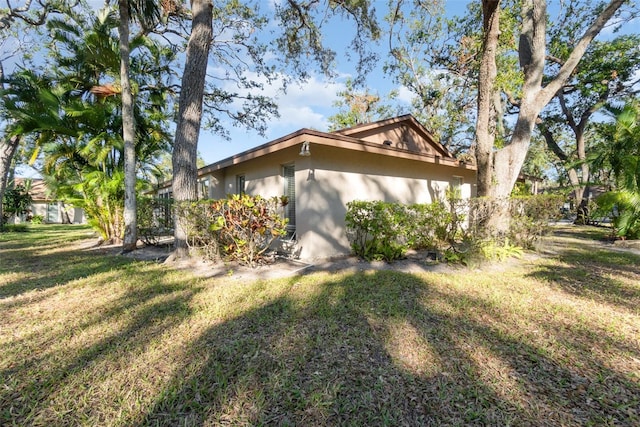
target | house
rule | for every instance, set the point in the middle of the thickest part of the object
(51, 210)
(395, 160)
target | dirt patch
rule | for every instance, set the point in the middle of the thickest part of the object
(414, 262)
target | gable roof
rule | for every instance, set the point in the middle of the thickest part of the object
(400, 137)
(402, 131)
(37, 188)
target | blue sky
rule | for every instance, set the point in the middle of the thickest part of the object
(308, 105)
(311, 104)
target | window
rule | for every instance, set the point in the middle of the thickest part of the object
(289, 174)
(203, 188)
(240, 184)
(52, 212)
(456, 185)
(165, 216)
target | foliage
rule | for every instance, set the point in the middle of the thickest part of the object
(604, 77)
(357, 108)
(624, 209)
(494, 251)
(37, 219)
(69, 111)
(453, 227)
(239, 228)
(623, 157)
(531, 217)
(377, 230)
(385, 231)
(624, 153)
(16, 201)
(429, 225)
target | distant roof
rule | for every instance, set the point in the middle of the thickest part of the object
(37, 188)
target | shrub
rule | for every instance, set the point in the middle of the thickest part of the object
(454, 227)
(385, 231)
(239, 228)
(531, 216)
(37, 219)
(377, 230)
(429, 225)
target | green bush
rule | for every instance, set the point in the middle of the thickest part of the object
(239, 228)
(16, 201)
(430, 225)
(453, 228)
(531, 216)
(37, 219)
(377, 230)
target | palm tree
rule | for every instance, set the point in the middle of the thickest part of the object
(81, 133)
(146, 12)
(622, 154)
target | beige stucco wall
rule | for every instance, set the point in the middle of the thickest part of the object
(330, 178)
(263, 175)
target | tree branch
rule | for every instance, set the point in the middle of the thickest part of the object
(580, 48)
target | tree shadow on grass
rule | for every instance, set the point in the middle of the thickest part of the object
(57, 268)
(370, 348)
(34, 386)
(380, 348)
(601, 275)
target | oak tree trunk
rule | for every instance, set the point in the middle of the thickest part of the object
(498, 170)
(185, 148)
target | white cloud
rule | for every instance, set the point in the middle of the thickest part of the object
(405, 95)
(305, 104)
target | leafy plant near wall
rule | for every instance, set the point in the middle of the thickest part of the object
(382, 230)
(530, 217)
(377, 230)
(16, 201)
(239, 228)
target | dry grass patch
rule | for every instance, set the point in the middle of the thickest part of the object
(90, 339)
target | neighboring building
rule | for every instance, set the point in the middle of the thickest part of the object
(394, 160)
(52, 211)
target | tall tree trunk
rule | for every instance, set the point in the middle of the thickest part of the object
(8, 149)
(507, 162)
(486, 120)
(185, 148)
(577, 183)
(582, 193)
(130, 237)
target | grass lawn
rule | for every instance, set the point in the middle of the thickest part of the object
(100, 340)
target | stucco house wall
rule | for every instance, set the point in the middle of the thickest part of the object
(330, 178)
(50, 210)
(394, 160)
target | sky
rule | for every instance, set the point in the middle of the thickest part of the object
(310, 104)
